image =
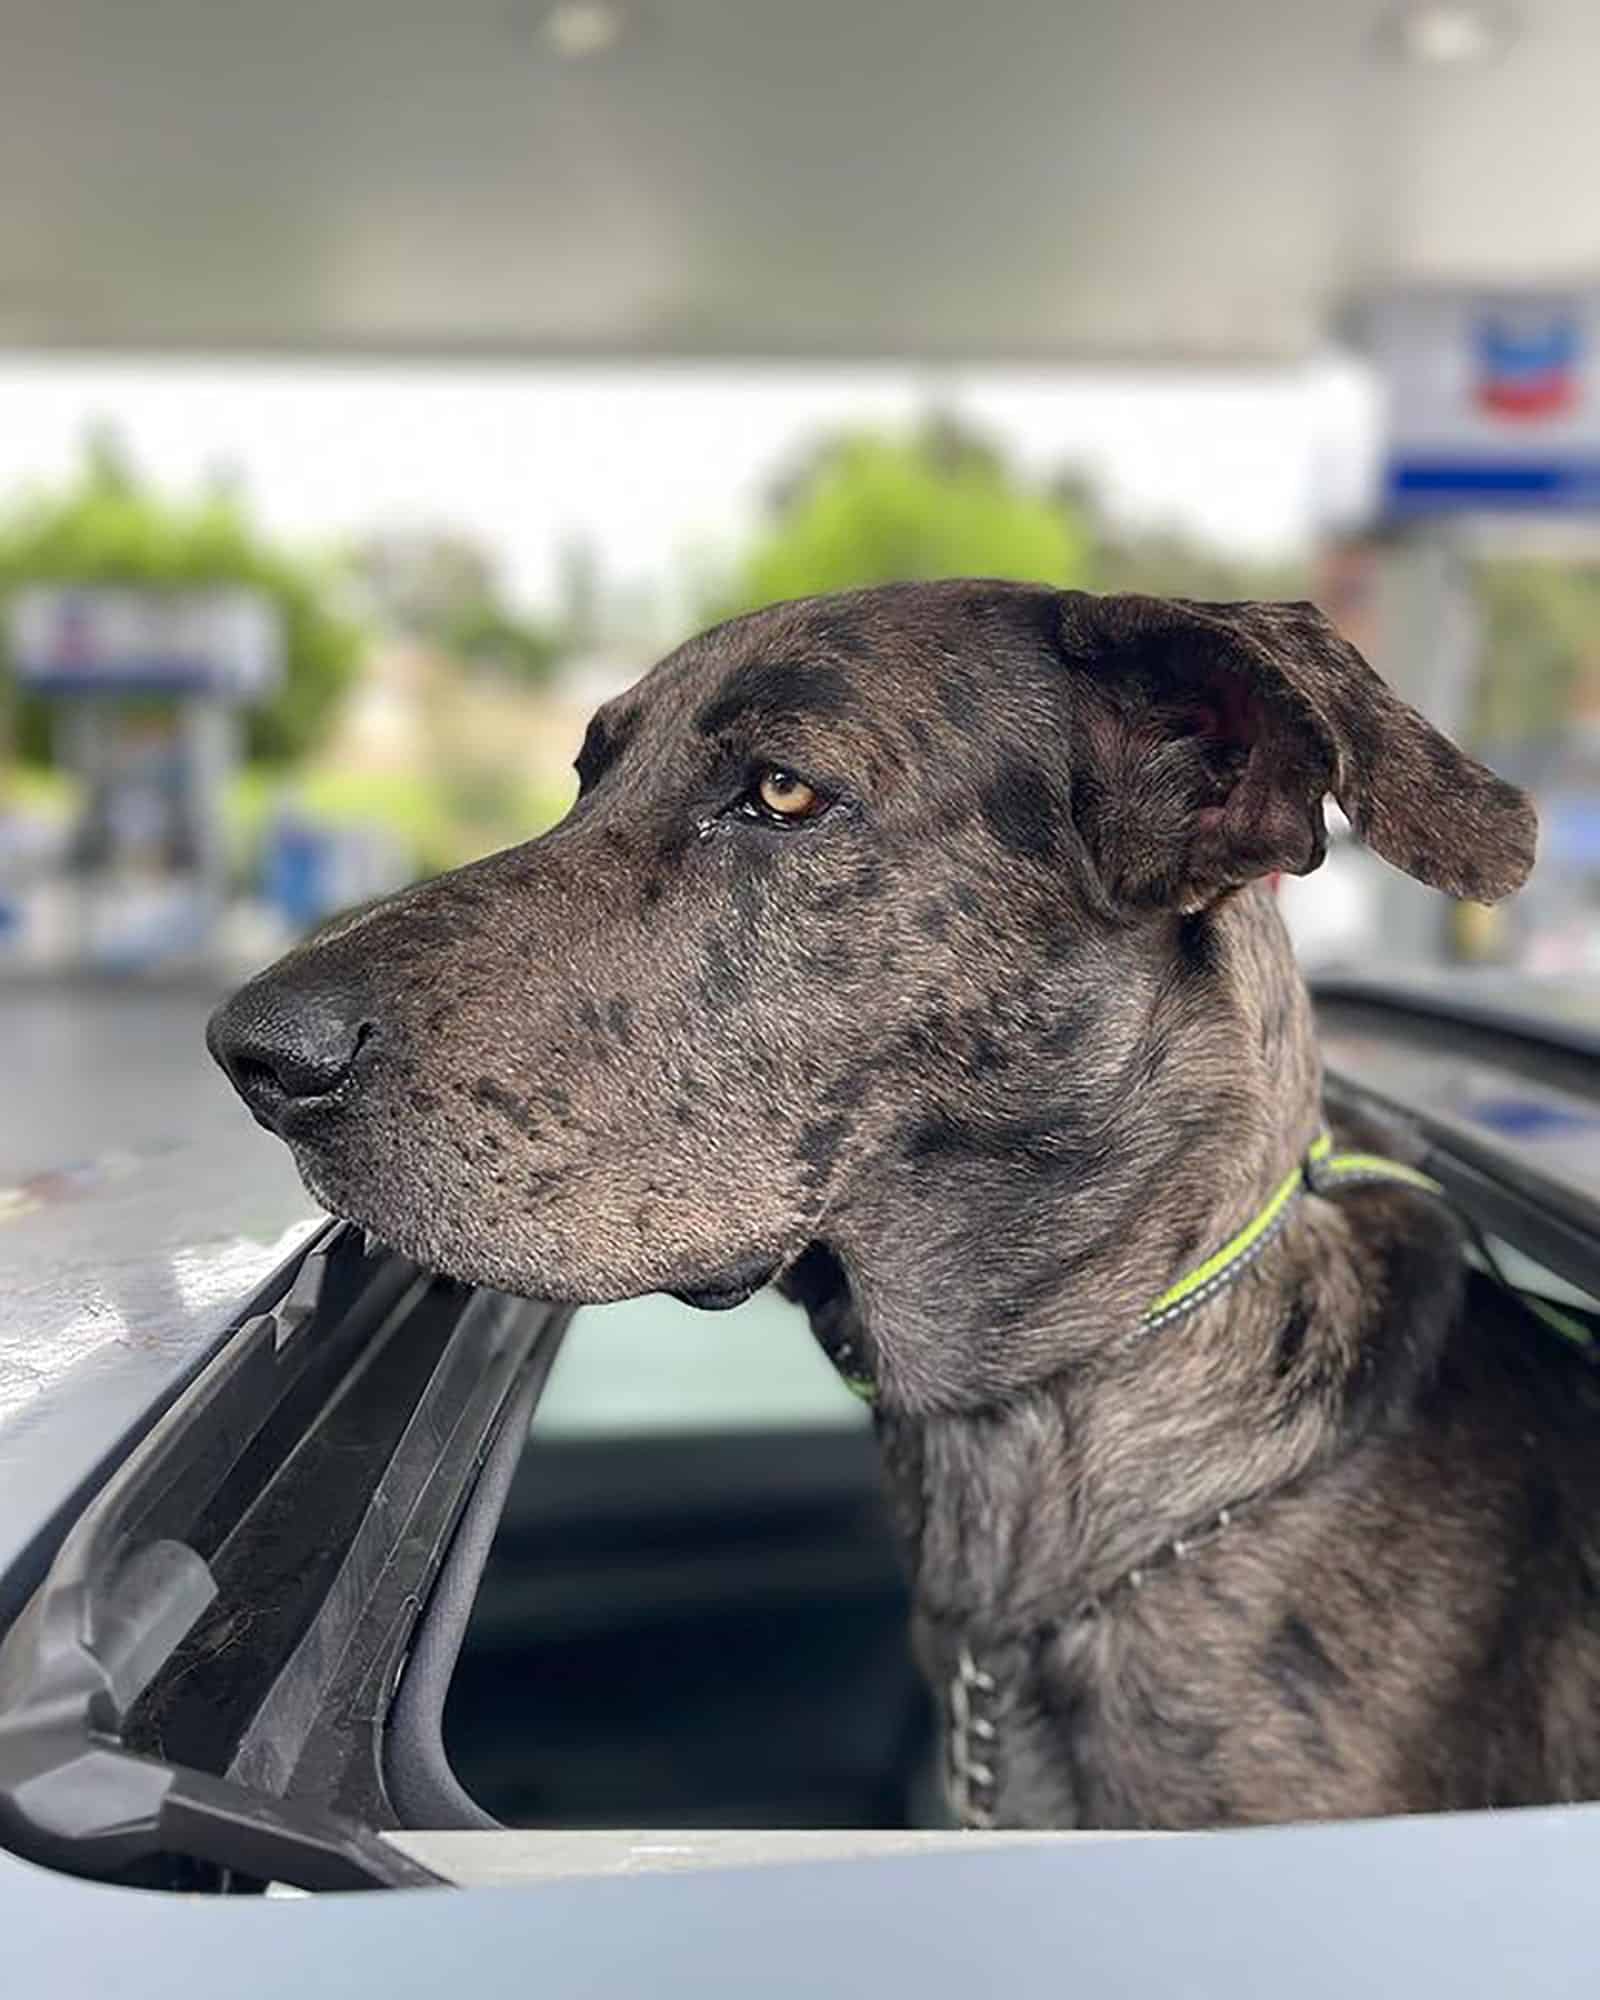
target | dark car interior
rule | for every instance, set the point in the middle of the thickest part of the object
(706, 1629)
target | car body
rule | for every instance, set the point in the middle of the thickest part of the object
(291, 1595)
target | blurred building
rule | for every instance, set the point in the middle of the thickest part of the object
(782, 224)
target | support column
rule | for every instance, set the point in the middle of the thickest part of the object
(1426, 645)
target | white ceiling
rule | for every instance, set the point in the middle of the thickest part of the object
(1055, 179)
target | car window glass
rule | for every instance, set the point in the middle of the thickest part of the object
(654, 1365)
(1528, 1275)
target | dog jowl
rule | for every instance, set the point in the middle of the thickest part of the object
(908, 947)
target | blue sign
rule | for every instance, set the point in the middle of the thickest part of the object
(1434, 485)
(125, 641)
(1493, 401)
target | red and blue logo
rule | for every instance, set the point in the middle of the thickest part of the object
(1528, 368)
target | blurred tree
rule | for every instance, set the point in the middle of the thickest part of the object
(108, 527)
(1165, 564)
(863, 509)
(417, 582)
(582, 594)
(1162, 562)
(486, 635)
(1541, 640)
(443, 590)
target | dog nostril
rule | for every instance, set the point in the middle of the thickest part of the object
(291, 1073)
(281, 1050)
(255, 1078)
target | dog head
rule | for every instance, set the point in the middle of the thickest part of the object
(880, 891)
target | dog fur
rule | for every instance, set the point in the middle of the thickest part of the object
(975, 1061)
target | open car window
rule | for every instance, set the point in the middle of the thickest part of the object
(650, 1366)
(694, 1568)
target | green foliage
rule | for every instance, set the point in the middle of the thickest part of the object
(865, 509)
(868, 509)
(485, 635)
(442, 590)
(1168, 565)
(107, 527)
(440, 822)
(1541, 643)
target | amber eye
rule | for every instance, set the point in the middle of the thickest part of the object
(789, 797)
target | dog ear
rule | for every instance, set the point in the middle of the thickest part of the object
(1212, 733)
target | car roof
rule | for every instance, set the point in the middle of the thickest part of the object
(1468, 1905)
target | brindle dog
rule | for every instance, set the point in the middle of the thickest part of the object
(910, 948)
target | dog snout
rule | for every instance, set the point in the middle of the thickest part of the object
(288, 1045)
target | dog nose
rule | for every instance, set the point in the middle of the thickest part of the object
(282, 1044)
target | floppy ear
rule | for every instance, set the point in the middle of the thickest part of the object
(1212, 733)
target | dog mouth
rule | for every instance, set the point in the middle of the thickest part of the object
(463, 1259)
(729, 1289)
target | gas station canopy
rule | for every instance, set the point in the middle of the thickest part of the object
(1047, 179)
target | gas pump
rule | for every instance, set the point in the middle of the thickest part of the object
(146, 688)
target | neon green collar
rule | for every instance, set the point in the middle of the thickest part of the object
(1322, 1171)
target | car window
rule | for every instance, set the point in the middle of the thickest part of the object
(1528, 1275)
(654, 1365)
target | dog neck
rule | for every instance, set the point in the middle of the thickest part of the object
(1039, 1443)
(1021, 1514)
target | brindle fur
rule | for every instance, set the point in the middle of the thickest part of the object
(976, 1064)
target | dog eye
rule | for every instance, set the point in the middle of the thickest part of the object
(781, 795)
